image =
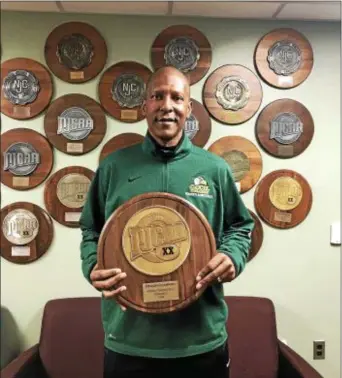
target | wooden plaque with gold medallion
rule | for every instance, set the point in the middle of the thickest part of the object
(26, 232)
(65, 194)
(161, 241)
(243, 157)
(283, 198)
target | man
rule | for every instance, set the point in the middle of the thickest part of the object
(192, 340)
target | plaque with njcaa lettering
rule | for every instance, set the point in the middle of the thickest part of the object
(284, 128)
(75, 124)
(185, 48)
(122, 89)
(120, 141)
(283, 198)
(283, 58)
(26, 158)
(198, 125)
(26, 88)
(161, 241)
(232, 94)
(75, 52)
(65, 193)
(26, 232)
(243, 157)
(257, 237)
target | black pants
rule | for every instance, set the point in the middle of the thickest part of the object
(211, 364)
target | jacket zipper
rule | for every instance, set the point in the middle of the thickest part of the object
(165, 177)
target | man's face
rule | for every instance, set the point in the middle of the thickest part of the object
(167, 106)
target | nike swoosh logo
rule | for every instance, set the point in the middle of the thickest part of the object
(133, 178)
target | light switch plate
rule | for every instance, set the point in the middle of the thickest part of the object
(335, 233)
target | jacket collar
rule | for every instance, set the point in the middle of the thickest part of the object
(183, 148)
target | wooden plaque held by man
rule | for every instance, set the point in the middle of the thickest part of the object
(161, 241)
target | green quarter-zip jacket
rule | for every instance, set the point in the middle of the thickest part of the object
(184, 171)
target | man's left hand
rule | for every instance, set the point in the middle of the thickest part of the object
(219, 269)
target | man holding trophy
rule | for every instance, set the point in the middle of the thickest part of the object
(163, 227)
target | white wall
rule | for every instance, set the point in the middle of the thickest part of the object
(296, 268)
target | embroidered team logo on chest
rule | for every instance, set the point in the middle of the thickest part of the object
(199, 188)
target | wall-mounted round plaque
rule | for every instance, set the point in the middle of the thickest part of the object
(284, 128)
(75, 124)
(283, 58)
(243, 157)
(185, 48)
(26, 88)
(198, 125)
(26, 232)
(283, 198)
(26, 158)
(120, 141)
(161, 242)
(257, 236)
(232, 94)
(65, 194)
(122, 90)
(75, 52)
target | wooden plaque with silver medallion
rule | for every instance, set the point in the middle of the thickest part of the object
(243, 157)
(75, 52)
(75, 124)
(198, 125)
(121, 90)
(161, 241)
(26, 158)
(120, 141)
(26, 232)
(283, 58)
(183, 47)
(65, 194)
(26, 88)
(232, 94)
(284, 128)
(283, 198)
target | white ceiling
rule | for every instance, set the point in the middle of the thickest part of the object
(252, 9)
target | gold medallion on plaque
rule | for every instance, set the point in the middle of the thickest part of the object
(72, 190)
(161, 241)
(156, 240)
(283, 198)
(285, 193)
(238, 162)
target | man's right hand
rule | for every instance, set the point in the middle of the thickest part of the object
(108, 281)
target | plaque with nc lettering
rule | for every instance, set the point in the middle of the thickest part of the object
(232, 94)
(185, 48)
(26, 88)
(161, 241)
(243, 157)
(26, 158)
(283, 58)
(65, 194)
(283, 198)
(75, 124)
(122, 90)
(75, 52)
(26, 232)
(284, 128)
